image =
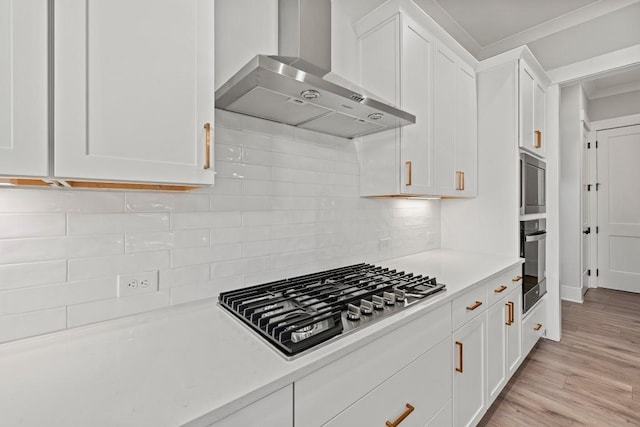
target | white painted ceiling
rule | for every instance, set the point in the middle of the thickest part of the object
(558, 32)
(613, 84)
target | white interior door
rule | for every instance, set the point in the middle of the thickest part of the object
(619, 208)
(587, 230)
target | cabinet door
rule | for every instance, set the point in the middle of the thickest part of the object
(275, 410)
(416, 148)
(23, 88)
(466, 132)
(134, 88)
(469, 381)
(514, 332)
(444, 120)
(498, 321)
(538, 119)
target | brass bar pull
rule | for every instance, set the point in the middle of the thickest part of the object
(538, 139)
(538, 327)
(410, 173)
(516, 279)
(474, 306)
(404, 415)
(207, 160)
(460, 183)
(459, 368)
(512, 312)
(508, 322)
(500, 290)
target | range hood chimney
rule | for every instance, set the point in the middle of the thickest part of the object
(289, 88)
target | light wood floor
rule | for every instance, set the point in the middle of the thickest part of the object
(591, 377)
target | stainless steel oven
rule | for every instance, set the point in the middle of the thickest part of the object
(532, 185)
(533, 237)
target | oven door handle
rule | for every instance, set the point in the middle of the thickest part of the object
(536, 237)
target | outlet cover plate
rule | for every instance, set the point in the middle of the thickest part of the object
(130, 284)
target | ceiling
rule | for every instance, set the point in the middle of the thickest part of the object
(613, 84)
(558, 32)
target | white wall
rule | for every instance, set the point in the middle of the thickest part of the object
(285, 202)
(624, 104)
(571, 103)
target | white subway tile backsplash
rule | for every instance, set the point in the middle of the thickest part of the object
(191, 256)
(162, 202)
(30, 324)
(92, 312)
(82, 224)
(285, 202)
(15, 276)
(50, 296)
(88, 268)
(157, 241)
(32, 225)
(32, 249)
(198, 291)
(181, 276)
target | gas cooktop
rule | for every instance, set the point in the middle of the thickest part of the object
(299, 313)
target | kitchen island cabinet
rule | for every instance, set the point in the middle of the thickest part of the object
(24, 121)
(274, 410)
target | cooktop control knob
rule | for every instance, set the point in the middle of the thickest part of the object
(378, 302)
(389, 298)
(366, 307)
(353, 312)
(401, 294)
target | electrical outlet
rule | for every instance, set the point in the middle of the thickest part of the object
(137, 283)
(384, 244)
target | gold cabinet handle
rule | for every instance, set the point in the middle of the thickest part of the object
(500, 290)
(459, 368)
(538, 139)
(537, 327)
(460, 185)
(474, 306)
(207, 160)
(510, 316)
(400, 419)
(516, 279)
(410, 173)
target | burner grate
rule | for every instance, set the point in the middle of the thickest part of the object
(298, 313)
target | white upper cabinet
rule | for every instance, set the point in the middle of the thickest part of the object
(395, 60)
(23, 88)
(531, 111)
(134, 90)
(455, 132)
(402, 63)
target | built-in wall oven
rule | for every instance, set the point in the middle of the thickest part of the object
(532, 185)
(533, 236)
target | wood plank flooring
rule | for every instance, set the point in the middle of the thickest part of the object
(590, 378)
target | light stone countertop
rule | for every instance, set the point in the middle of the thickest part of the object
(192, 363)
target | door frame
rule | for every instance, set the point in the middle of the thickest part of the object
(588, 155)
(600, 125)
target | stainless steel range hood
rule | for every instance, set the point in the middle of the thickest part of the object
(290, 88)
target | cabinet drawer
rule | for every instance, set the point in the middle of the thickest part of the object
(503, 284)
(348, 379)
(534, 326)
(420, 389)
(442, 418)
(469, 305)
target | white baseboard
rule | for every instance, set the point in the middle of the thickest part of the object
(571, 293)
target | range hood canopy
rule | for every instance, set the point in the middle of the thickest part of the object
(290, 88)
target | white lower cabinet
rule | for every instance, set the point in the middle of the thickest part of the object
(374, 384)
(534, 326)
(275, 410)
(469, 382)
(412, 396)
(504, 337)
